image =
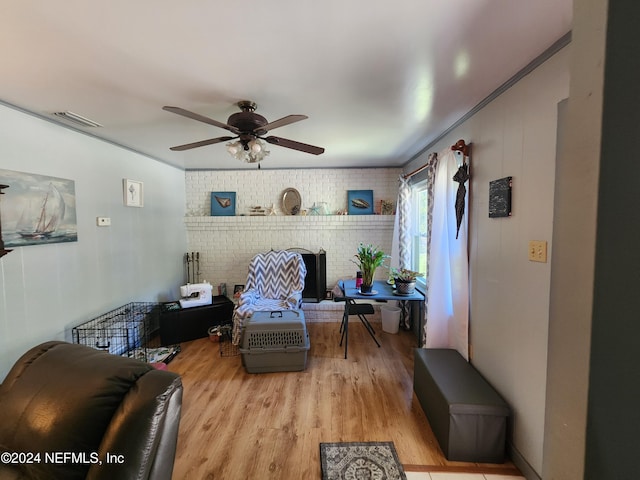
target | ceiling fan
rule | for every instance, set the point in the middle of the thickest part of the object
(249, 128)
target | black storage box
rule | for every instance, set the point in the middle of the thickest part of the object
(185, 324)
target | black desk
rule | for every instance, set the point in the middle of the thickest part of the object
(187, 324)
(384, 292)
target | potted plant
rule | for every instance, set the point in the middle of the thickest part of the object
(405, 280)
(368, 259)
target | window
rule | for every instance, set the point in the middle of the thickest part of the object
(419, 200)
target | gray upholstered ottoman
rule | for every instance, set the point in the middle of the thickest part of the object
(466, 414)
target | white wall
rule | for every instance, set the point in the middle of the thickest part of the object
(226, 244)
(47, 289)
(514, 135)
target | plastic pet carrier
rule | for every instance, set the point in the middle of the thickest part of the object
(275, 342)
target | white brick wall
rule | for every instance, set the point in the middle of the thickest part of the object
(265, 187)
(226, 244)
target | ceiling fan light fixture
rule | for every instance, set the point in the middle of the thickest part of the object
(253, 151)
(255, 146)
(234, 148)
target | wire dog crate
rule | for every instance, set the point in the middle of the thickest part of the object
(130, 330)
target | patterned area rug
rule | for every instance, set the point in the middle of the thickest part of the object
(360, 461)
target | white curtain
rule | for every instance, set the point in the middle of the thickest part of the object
(447, 298)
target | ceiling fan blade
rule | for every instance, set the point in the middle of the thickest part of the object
(200, 118)
(303, 147)
(281, 122)
(201, 143)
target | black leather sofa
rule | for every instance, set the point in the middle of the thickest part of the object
(69, 411)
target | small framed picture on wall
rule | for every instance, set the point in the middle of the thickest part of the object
(500, 197)
(133, 191)
(360, 202)
(223, 204)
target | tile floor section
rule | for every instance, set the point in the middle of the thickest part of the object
(459, 476)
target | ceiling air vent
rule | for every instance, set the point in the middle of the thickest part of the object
(76, 119)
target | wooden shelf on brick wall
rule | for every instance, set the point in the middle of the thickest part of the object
(280, 222)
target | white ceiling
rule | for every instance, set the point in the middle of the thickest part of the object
(378, 80)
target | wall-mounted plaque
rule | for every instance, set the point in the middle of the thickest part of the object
(500, 197)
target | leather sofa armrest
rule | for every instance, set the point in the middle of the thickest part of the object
(143, 432)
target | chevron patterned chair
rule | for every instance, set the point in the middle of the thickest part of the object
(275, 282)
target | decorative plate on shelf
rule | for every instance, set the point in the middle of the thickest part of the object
(291, 201)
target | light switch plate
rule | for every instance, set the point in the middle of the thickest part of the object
(538, 251)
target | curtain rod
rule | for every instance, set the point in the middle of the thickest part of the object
(460, 146)
(417, 170)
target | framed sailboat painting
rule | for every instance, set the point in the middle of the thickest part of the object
(37, 209)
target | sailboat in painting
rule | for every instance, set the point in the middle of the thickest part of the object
(42, 219)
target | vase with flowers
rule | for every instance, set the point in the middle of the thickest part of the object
(405, 280)
(368, 258)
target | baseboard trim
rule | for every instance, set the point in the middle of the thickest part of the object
(519, 461)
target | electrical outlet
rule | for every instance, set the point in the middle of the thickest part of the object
(538, 251)
(103, 221)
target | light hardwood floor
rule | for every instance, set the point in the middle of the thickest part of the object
(240, 426)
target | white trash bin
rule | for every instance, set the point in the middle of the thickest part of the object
(390, 318)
